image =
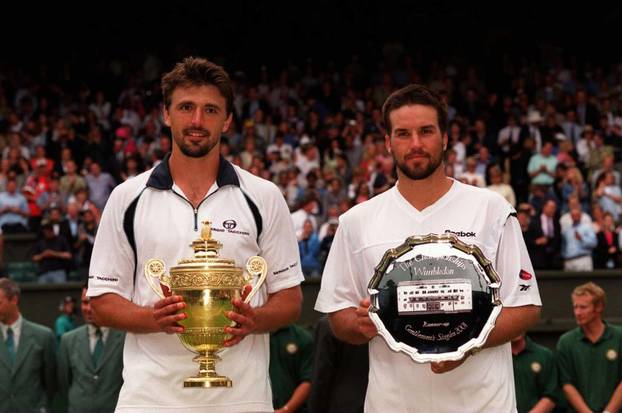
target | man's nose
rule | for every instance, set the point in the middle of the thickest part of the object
(197, 116)
(415, 140)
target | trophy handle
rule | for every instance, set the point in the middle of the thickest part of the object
(256, 266)
(154, 268)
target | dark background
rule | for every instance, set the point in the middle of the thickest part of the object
(249, 34)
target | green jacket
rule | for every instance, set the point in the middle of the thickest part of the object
(291, 362)
(594, 369)
(31, 383)
(88, 388)
(535, 376)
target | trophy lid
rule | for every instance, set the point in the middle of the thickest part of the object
(205, 252)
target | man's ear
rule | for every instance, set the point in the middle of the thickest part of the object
(227, 124)
(387, 142)
(166, 116)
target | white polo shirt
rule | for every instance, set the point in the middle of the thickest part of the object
(165, 224)
(484, 382)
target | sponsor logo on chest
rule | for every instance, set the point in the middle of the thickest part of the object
(229, 226)
(468, 234)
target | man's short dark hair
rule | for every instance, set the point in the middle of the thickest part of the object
(415, 95)
(196, 71)
(10, 288)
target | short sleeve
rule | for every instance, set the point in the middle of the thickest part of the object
(112, 261)
(565, 367)
(278, 244)
(518, 280)
(342, 285)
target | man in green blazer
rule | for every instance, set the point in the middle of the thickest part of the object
(90, 363)
(27, 357)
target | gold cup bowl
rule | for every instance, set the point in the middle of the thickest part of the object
(207, 284)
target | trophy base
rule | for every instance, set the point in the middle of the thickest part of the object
(207, 382)
(207, 377)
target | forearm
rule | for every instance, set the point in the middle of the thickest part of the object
(281, 309)
(544, 405)
(300, 395)
(112, 310)
(615, 403)
(63, 255)
(343, 323)
(512, 322)
(575, 399)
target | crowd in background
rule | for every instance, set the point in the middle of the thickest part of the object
(546, 134)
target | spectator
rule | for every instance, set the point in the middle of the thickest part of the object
(52, 254)
(40, 159)
(85, 240)
(71, 182)
(332, 216)
(585, 145)
(28, 371)
(588, 356)
(542, 165)
(578, 241)
(607, 166)
(291, 362)
(81, 199)
(519, 159)
(586, 112)
(607, 251)
(598, 151)
(573, 184)
(13, 210)
(308, 209)
(532, 129)
(100, 185)
(309, 246)
(547, 224)
(565, 220)
(471, 176)
(509, 138)
(327, 240)
(496, 184)
(609, 195)
(66, 321)
(52, 198)
(571, 128)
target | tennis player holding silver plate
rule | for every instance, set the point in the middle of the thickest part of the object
(434, 298)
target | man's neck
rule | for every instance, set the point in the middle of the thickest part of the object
(422, 193)
(194, 176)
(594, 330)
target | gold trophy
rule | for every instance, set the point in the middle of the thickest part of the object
(207, 284)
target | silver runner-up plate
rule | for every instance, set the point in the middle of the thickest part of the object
(434, 298)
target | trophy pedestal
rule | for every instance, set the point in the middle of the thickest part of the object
(207, 376)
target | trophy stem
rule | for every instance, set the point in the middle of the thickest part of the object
(207, 376)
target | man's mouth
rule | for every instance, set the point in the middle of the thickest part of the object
(415, 156)
(196, 133)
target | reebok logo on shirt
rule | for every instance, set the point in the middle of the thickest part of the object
(461, 233)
